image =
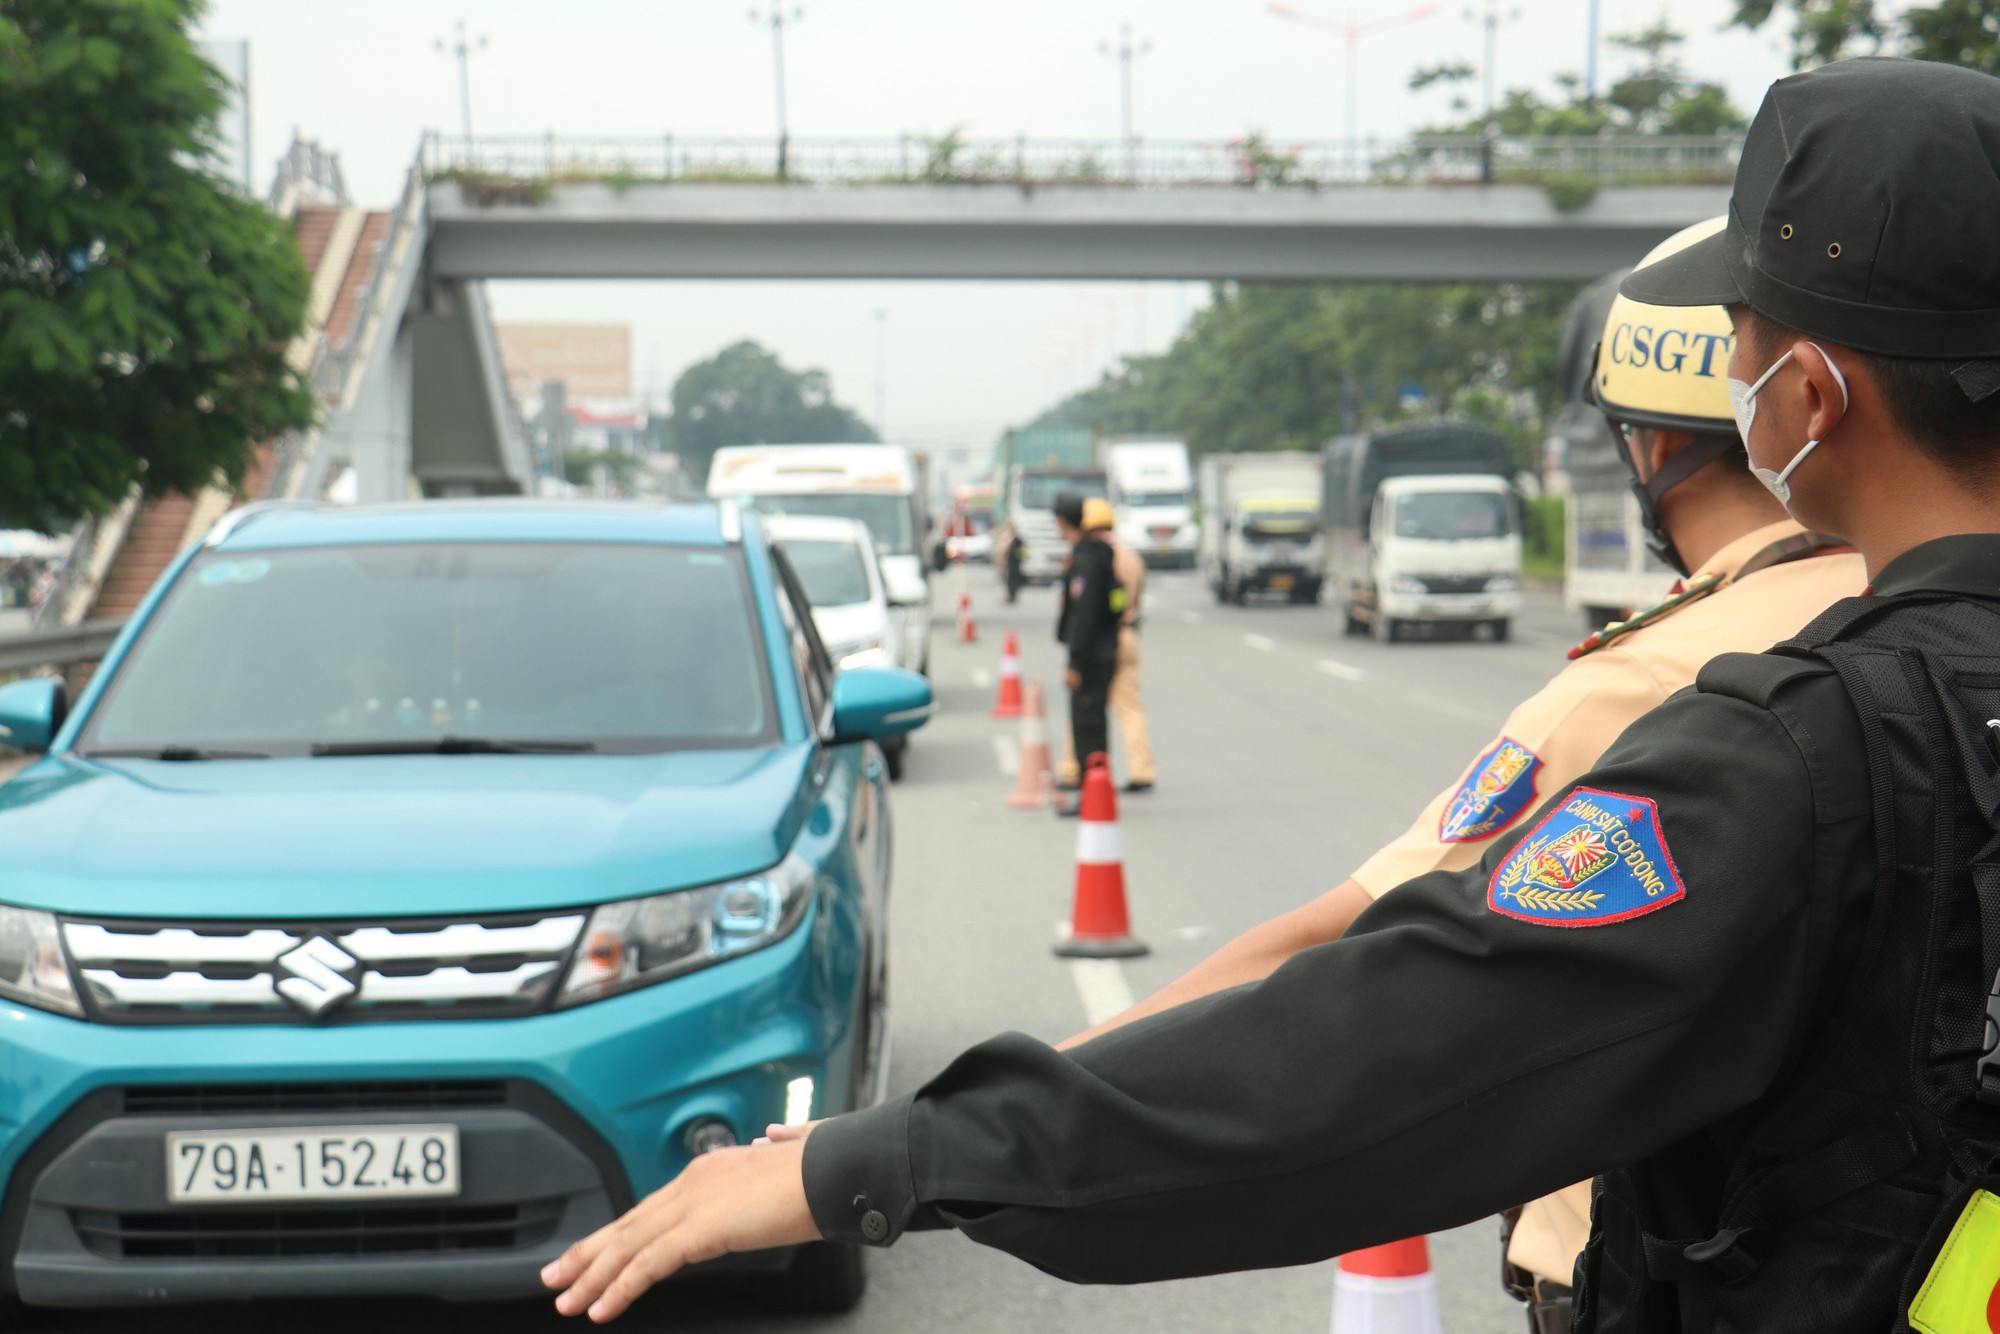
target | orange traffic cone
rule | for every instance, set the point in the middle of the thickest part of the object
(1009, 703)
(1099, 927)
(1034, 779)
(1386, 1290)
(968, 633)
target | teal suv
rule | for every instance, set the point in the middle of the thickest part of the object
(414, 887)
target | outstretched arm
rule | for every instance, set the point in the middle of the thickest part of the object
(1251, 957)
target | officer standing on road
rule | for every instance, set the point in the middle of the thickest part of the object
(1088, 625)
(1757, 940)
(1127, 702)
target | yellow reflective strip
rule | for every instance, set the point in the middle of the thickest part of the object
(1961, 1294)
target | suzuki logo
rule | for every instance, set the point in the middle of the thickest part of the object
(319, 977)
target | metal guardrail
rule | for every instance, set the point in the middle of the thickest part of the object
(60, 647)
(916, 159)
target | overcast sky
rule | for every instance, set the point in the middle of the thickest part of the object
(963, 360)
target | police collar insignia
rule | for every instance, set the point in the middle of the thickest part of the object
(1597, 858)
(1500, 786)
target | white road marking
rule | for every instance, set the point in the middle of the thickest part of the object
(1346, 671)
(1191, 617)
(1101, 986)
(1190, 932)
(982, 678)
(1260, 643)
(1007, 754)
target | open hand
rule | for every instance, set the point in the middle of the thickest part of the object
(1072, 680)
(742, 1199)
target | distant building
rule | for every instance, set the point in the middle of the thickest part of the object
(232, 149)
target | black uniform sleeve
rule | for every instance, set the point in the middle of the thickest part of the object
(1439, 1063)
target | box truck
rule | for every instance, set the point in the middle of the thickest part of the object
(1424, 529)
(1031, 467)
(1260, 525)
(1152, 488)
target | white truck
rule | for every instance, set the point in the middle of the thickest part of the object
(1152, 489)
(1609, 571)
(881, 485)
(1424, 528)
(1260, 525)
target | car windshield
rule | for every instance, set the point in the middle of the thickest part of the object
(887, 517)
(1156, 499)
(535, 645)
(1453, 516)
(1039, 490)
(833, 573)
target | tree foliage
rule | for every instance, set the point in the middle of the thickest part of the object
(145, 307)
(744, 395)
(1954, 32)
(1285, 366)
(1655, 95)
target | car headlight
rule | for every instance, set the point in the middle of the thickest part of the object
(33, 970)
(1502, 583)
(642, 941)
(1404, 583)
(869, 652)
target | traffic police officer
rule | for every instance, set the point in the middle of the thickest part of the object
(1126, 699)
(1756, 940)
(1751, 577)
(1087, 624)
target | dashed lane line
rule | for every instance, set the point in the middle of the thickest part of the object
(1007, 754)
(1345, 671)
(1101, 986)
(982, 678)
(1190, 618)
(1260, 642)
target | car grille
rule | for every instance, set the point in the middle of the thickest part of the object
(1455, 583)
(181, 973)
(236, 1099)
(300, 1233)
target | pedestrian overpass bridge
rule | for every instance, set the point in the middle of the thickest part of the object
(417, 397)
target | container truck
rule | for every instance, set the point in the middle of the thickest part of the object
(1609, 570)
(1260, 525)
(1031, 467)
(1424, 529)
(1152, 487)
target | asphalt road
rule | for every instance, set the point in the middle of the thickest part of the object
(1287, 753)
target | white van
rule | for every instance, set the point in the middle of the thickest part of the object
(881, 485)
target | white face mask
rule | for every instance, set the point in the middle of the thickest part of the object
(1743, 403)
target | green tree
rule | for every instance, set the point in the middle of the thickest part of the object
(744, 395)
(145, 307)
(1953, 32)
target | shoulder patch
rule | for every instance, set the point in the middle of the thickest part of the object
(1598, 858)
(1500, 786)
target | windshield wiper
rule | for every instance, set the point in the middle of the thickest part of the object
(452, 745)
(174, 753)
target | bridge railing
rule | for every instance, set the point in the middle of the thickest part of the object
(914, 159)
(60, 646)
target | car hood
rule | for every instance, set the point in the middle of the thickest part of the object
(845, 625)
(405, 835)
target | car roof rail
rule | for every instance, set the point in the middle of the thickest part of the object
(243, 515)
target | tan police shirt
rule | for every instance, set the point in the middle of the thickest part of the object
(1557, 734)
(1128, 567)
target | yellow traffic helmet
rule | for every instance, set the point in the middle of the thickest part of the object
(1666, 366)
(1097, 516)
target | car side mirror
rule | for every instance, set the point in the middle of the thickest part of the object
(32, 712)
(878, 703)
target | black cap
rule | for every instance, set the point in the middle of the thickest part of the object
(1069, 508)
(1863, 213)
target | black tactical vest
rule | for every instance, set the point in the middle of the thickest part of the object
(1852, 1172)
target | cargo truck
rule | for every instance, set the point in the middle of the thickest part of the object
(1260, 525)
(1031, 467)
(1424, 529)
(1152, 488)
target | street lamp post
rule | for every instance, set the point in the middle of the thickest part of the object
(1125, 50)
(464, 48)
(775, 15)
(882, 372)
(1353, 30)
